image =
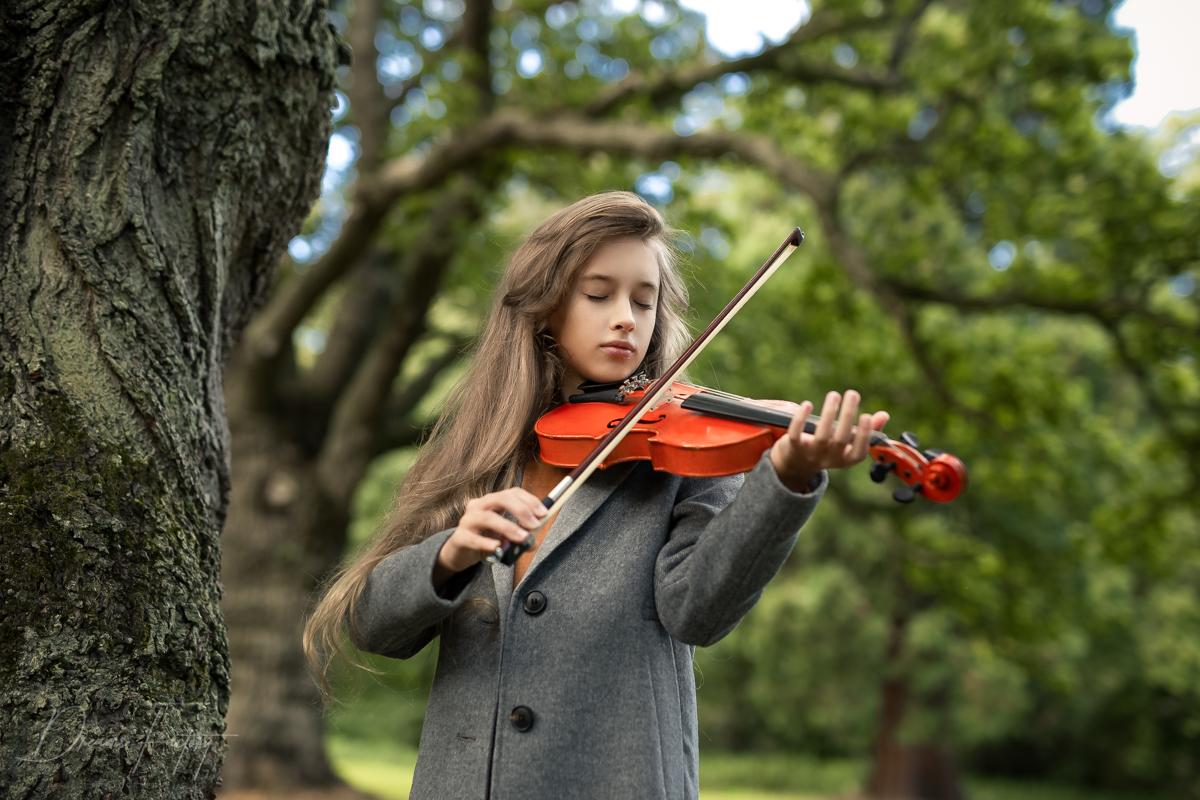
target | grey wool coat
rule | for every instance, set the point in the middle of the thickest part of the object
(580, 684)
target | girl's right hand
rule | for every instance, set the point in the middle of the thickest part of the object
(482, 528)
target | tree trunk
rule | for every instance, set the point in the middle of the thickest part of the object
(907, 772)
(156, 159)
(277, 507)
(284, 533)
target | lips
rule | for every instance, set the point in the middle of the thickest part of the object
(618, 349)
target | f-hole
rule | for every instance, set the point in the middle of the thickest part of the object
(643, 421)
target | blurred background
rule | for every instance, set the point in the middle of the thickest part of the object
(1002, 209)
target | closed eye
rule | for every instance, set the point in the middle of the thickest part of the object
(596, 298)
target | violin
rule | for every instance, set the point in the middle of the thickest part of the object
(697, 432)
(932, 473)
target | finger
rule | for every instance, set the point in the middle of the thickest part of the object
(529, 501)
(828, 415)
(535, 503)
(468, 547)
(520, 506)
(879, 419)
(481, 522)
(862, 439)
(480, 545)
(845, 423)
(796, 428)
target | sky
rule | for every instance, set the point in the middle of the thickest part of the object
(1167, 69)
(1166, 72)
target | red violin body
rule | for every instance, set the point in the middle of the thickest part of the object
(698, 434)
(672, 438)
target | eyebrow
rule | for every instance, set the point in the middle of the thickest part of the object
(596, 276)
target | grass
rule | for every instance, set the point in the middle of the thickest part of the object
(386, 770)
(724, 776)
(381, 769)
(994, 789)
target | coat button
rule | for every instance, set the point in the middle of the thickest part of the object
(521, 718)
(534, 602)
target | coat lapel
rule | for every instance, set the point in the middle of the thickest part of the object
(578, 509)
(502, 577)
(502, 574)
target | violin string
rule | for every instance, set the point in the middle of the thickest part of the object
(813, 418)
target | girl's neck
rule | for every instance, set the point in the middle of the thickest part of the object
(573, 380)
(570, 383)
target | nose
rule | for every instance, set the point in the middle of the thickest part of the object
(623, 318)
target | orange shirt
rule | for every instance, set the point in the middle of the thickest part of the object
(539, 479)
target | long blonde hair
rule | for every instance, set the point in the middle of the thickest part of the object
(484, 434)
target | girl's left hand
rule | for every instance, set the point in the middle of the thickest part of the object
(798, 456)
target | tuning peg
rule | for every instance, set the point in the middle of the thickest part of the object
(933, 453)
(910, 439)
(906, 494)
(880, 470)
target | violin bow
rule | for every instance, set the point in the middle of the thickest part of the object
(509, 552)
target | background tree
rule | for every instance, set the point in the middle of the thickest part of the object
(1005, 276)
(157, 159)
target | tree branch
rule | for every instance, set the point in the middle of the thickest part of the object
(898, 151)
(293, 299)
(865, 77)
(585, 135)
(904, 36)
(369, 107)
(403, 402)
(359, 410)
(669, 85)
(375, 193)
(1107, 311)
(374, 196)
(473, 36)
(398, 428)
(360, 315)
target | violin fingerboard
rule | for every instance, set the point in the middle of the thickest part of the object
(736, 409)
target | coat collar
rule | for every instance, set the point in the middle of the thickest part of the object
(578, 509)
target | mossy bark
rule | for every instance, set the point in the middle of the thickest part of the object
(156, 159)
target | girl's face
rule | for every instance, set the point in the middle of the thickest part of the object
(604, 327)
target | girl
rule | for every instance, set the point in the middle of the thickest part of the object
(570, 674)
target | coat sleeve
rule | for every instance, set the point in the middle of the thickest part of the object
(725, 545)
(398, 610)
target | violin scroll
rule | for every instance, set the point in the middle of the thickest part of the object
(936, 475)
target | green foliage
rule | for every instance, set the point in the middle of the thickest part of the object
(387, 708)
(375, 496)
(1022, 301)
